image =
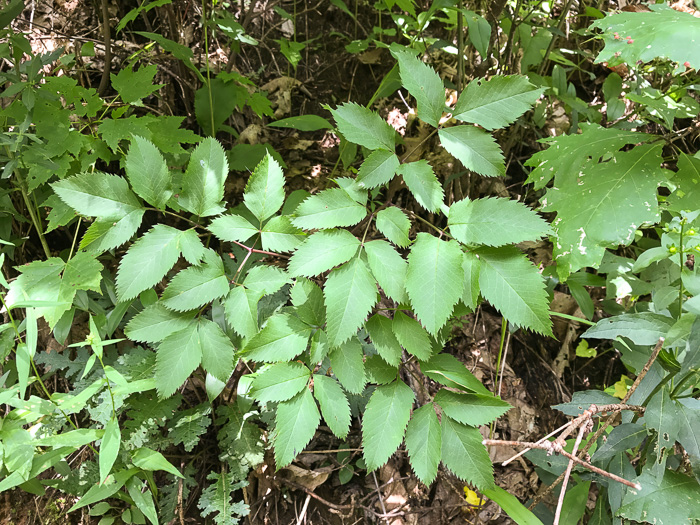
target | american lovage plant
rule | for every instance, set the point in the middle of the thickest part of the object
(358, 302)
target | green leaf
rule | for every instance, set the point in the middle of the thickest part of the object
(330, 208)
(479, 32)
(264, 193)
(511, 283)
(518, 512)
(147, 261)
(654, 33)
(147, 172)
(322, 251)
(350, 293)
(687, 181)
(265, 279)
(380, 330)
(302, 123)
(424, 443)
(364, 127)
(434, 279)
(280, 382)
(280, 235)
(603, 205)
(377, 169)
(196, 286)
(179, 51)
(216, 498)
(334, 404)
(671, 500)
(495, 222)
(142, 500)
(384, 422)
(155, 323)
(423, 184)
(643, 328)
(241, 310)
(471, 409)
(98, 194)
(464, 455)
(107, 235)
(424, 84)
(389, 268)
(307, 297)
(109, 449)
(412, 336)
(283, 338)
(132, 85)
(232, 228)
(203, 182)
(217, 350)
(295, 425)
(318, 349)
(347, 362)
(450, 371)
(379, 371)
(474, 148)
(177, 357)
(395, 226)
(470, 267)
(497, 102)
(192, 248)
(152, 460)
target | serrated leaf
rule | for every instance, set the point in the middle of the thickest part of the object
(155, 323)
(511, 283)
(495, 222)
(295, 425)
(307, 296)
(109, 449)
(384, 423)
(464, 455)
(132, 85)
(334, 405)
(471, 409)
(318, 349)
(107, 235)
(411, 336)
(196, 286)
(264, 193)
(217, 350)
(603, 205)
(216, 498)
(379, 371)
(377, 169)
(329, 209)
(424, 443)
(147, 172)
(434, 279)
(203, 182)
(350, 293)
(424, 84)
(423, 184)
(497, 102)
(447, 370)
(265, 279)
(232, 228)
(283, 338)
(178, 355)
(347, 363)
(98, 194)
(322, 251)
(380, 330)
(280, 235)
(280, 382)
(241, 310)
(474, 148)
(395, 226)
(389, 268)
(191, 246)
(364, 127)
(147, 261)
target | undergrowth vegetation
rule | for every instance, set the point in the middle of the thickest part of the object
(156, 308)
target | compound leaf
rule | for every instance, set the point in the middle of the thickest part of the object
(377, 169)
(147, 172)
(217, 350)
(203, 182)
(389, 268)
(177, 357)
(474, 148)
(329, 209)
(264, 193)
(155, 323)
(295, 425)
(232, 228)
(464, 455)
(424, 84)
(395, 226)
(424, 443)
(364, 127)
(381, 333)
(241, 310)
(283, 338)
(322, 251)
(196, 286)
(334, 404)
(423, 184)
(280, 235)
(412, 336)
(280, 382)
(98, 194)
(347, 362)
